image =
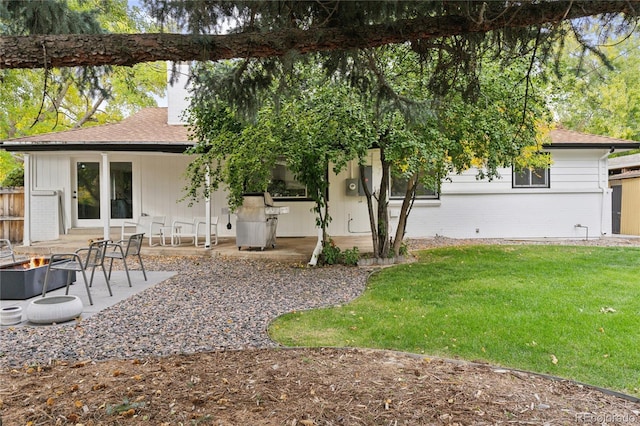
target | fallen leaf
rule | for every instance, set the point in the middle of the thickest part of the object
(50, 402)
(78, 404)
(129, 413)
(554, 360)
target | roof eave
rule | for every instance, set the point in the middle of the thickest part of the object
(594, 145)
(103, 146)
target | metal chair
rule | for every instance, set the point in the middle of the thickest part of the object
(6, 250)
(79, 261)
(126, 248)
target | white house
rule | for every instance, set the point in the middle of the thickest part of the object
(101, 176)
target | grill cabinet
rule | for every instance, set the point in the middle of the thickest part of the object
(257, 221)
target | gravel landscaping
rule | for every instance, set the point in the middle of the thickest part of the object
(212, 303)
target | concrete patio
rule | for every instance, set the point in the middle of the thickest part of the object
(99, 293)
(298, 249)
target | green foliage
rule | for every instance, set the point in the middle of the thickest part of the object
(59, 99)
(515, 306)
(321, 125)
(595, 98)
(333, 255)
(330, 253)
(14, 178)
(7, 163)
(351, 256)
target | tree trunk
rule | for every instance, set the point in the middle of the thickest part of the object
(372, 216)
(71, 50)
(407, 203)
(384, 242)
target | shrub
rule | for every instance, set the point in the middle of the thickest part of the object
(14, 178)
(351, 256)
(330, 253)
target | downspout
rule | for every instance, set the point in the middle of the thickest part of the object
(317, 250)
(604, 187)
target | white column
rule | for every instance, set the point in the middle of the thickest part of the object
(105, 196)
(26, 231)
(207, 211)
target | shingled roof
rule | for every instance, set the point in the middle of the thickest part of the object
(147, 130)
(563, 138)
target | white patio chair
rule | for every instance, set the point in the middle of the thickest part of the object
(151, 226)
(195, 230)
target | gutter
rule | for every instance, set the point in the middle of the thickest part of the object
(604, 187)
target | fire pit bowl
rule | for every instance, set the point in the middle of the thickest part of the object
(23, 280)
(54, 309)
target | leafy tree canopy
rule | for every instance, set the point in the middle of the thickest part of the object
(600, 98)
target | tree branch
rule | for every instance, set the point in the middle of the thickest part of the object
(129, 49)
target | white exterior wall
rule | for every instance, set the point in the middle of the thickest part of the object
(469, 208)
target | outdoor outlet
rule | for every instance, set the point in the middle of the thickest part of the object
(477, 230)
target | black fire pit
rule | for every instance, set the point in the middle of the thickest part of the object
(24, 280)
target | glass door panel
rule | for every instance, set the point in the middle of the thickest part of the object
(88, 195)
(121, 190)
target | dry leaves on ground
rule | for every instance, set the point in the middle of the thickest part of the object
(298, 387)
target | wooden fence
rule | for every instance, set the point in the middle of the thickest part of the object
(12, 214)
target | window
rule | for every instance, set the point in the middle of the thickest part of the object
(121, 190)
(537, 177)
(283, 185)
(399, 189)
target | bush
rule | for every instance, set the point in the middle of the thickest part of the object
(330, 253)
(14, 178)
(351, 256)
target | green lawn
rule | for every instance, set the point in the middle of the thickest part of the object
(568, 311)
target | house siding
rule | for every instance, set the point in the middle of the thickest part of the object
(630, 217)
(467, 207)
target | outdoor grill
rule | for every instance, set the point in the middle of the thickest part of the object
(257, 221)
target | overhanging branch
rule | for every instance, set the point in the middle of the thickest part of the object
(128, 49)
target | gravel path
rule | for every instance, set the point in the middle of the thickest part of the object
(212, 303)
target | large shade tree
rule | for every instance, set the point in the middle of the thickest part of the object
(383, 99)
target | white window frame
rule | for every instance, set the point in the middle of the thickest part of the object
(434, 196)
(529, 174)
(286, 178)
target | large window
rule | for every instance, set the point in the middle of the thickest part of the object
(537, 177)
(283, 185)
(399, 189)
